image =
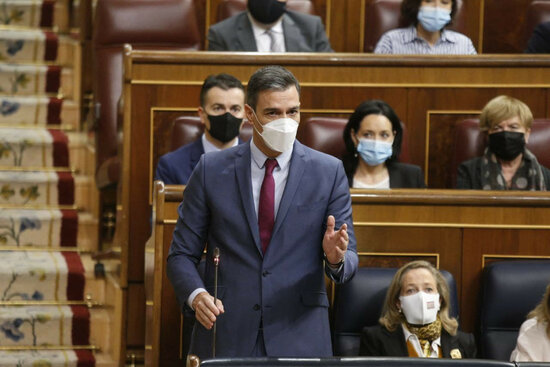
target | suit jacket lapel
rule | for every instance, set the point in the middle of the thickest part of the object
(448, 343)
(245, 35)
(242, 172)
(298, 164)
(293, 36)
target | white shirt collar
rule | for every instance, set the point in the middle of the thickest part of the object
(209, 147)
(258, 157)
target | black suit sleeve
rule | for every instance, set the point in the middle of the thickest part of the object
(215, 42)
(370, 344)
(468, 343)
(464, 178)
(322, 43)
(539, 43)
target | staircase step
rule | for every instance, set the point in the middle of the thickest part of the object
(38, 111)
(48, 358)
(36, 46)
(33, 148)
(35, 188)
(41, 276)
(41, 229)
(34, 14)
(27, 80)
(44, 325)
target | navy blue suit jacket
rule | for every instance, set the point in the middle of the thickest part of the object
(175, 168)
(285, 287)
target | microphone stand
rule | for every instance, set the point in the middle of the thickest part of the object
(216, 266)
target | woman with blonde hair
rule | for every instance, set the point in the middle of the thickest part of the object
(533, 343)
(415, 319)
(506, 163)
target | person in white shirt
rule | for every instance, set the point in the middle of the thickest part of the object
(415, 319)
(533, 344)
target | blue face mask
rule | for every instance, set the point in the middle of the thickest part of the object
(374, 152)
(433, 19)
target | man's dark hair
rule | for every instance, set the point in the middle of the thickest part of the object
(272, 77)
(409, 12)
(222, 81)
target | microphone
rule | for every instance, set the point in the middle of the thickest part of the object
(216, 266)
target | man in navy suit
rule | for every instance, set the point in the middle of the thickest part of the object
(221, 112)
(274, 248)
(267, 26)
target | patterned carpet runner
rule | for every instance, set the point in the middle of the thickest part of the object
(46, 273)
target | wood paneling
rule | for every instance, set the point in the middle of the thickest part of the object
(503, 26)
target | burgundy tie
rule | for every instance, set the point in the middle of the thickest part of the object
(266, 209)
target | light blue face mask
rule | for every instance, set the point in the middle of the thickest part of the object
(374, 152)
(433, 19)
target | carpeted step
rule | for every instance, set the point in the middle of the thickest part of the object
(35, 188)
(34, 14)
(38, 111)
(41, 276)
(47, 228)
(36, 46)
(44, 325)
(28, 80)
(47, 358)
(33, 148)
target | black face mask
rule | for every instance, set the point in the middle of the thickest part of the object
(266, 11)
(224, 127)
(507, 145)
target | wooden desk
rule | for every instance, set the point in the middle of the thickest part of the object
(459, 231)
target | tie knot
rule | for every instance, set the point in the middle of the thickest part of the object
(270, 165)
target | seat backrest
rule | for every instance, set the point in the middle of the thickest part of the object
(510, 290)
(186, 129)
(538, 12)
(358, 303)
(469, 142)
(228, 8)
(168, 24)
(325, 134)
(384, 15)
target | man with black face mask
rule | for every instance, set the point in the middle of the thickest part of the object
(221, 112)
(268, 26)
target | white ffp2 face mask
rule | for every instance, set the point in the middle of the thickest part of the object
(420, 308)
(279, 135)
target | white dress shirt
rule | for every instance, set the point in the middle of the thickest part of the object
(263, 40)
(533, 343)
(436, 344)
(209, 147)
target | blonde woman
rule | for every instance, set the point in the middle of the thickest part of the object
(533, 343)
(415, 319)
(506, 164)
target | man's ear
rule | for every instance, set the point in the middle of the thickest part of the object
(204, 117)
(249, 113)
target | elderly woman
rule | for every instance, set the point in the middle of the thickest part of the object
(415, 319)
(506, 163)
(373, 137)
(533, 343)
(425, 32)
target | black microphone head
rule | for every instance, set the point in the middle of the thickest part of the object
(216, 252)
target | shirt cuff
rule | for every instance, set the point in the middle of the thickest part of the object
(192, 296)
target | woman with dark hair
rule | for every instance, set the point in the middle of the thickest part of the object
(425, 32)
(373, 138)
